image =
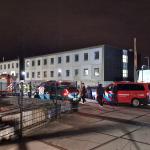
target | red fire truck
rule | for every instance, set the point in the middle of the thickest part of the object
(6, 82)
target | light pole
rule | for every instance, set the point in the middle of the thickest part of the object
(147, 61)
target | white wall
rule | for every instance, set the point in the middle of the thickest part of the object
(81, 65)
(11, 70)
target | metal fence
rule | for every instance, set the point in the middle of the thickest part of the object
(25, 114)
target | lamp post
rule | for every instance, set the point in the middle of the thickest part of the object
(147, 61)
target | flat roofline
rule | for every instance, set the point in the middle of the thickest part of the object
(86, 48)
(17, 59)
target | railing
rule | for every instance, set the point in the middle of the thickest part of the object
(25, 114)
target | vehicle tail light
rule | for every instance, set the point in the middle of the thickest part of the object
(66, 92)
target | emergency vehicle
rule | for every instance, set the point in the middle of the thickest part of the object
(127, 92)
(6, 84)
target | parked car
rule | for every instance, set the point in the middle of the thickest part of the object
(127, 92)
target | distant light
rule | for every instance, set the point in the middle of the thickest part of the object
(59, 70)
(23, 73)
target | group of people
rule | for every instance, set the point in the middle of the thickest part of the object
(99, 93)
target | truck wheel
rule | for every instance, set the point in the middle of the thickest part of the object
(135, 102)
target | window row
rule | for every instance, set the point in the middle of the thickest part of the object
(59, 73)
(9, 66)
(59, 59)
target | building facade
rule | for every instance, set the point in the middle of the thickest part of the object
(102, 64)
(11, 67)
(91, 65)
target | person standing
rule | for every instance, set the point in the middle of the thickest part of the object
(83, 92)
(99, 93)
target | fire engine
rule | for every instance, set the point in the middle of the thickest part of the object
(6, 83)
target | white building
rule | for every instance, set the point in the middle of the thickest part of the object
(88, 65)
(84, 65)
(91, 65)
(10, 67)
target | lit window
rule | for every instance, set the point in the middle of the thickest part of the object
(96, 72)
(125, 58)
(27, 63)
(86, 72)
(125, 73)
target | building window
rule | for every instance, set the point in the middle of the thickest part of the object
(76, 72)
(59, 74)
(33, 63)
(76, 57)
(125, 59)
(17, 65)
(45, 61)
(38, 74)
(125, 73)
(4, 66)
(1, 67)
(125, 66)
(52, 60)
(27, 75)
(51, 73)
(67, 73)
(86, 72)
(12, 65)
(45, 74)
(67, 59)
(59, 60)
(16, 75)
(85, 56)
(96, 72)
(27, 63)
(39, 62)
(8, 66)
(33, 74)
(96, 55)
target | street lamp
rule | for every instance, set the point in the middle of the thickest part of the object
(147, 61)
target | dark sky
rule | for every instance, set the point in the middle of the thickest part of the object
(33, 27)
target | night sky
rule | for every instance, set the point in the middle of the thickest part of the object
(33, 27)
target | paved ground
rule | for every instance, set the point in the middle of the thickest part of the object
(92, 128)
